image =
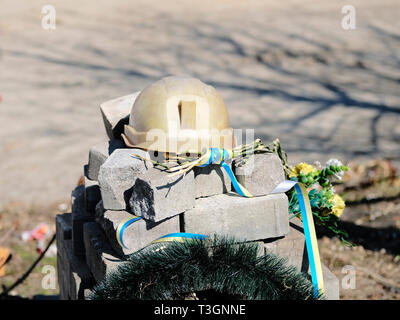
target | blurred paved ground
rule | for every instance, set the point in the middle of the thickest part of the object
(287, 69)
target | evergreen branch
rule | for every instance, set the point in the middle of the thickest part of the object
(218, 265)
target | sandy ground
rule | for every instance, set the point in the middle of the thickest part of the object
(286, 69)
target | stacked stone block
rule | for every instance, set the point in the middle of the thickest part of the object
(119, 185)
(74, 277)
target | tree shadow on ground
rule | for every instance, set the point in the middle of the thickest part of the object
(370, 238)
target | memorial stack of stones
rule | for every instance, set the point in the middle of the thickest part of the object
(118, 185)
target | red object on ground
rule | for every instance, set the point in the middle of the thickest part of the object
(40, 232)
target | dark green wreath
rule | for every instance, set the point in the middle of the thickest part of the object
(207, 269)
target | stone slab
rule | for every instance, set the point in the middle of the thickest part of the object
(117, 176)
(92, 193)
(77, 201)
(79, 216)
(64, 226)
(211, 180)
(115, 114)
(259, 173)
(331, 283)
(155, 196)
(98, 154)
(74, 276)
(62, 275)
(79, 276)
(100, 257)
(63, 232)
(243, 218)
(138, 235)
(293, 248)
(124, 179)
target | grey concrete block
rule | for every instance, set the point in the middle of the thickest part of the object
(155, 196)
(78, 201)
(63, 232)
(331, 283)
(79, 276)
(259, 173)
(243, 218)
(62, 275)
(98, 154)
(293, 248)
(64, 226)
(211, 180)
(100, 257)
(118, 175)
(79, 216)
(73, 274)
(92, 194)
(115, 114)
(138, 235)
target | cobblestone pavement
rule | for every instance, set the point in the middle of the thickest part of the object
(286, 69)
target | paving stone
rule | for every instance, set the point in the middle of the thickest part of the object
(150, 192)
(331, 283)
(64, 226)
(293, 248)
(77, 200)
(79, 216)
(79, 276)
(211, 180)
(118, 175)
(63, 232)
(260, 173)
(115, 114)
(138, 235)
(155, 196)
(62, 275)
(243, 218)
(73, 274)
(98, 154)
(100, 257)
(92, 193)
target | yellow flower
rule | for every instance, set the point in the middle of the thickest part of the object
(303, 168)
(338, 205)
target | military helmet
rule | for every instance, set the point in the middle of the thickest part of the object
(178, 114)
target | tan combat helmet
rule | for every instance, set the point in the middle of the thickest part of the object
(178, 115)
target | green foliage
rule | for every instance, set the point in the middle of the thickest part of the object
(222, 265)
(325, 175)
(321, 209)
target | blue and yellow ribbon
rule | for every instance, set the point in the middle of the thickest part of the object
(219, 156)
(180, 237)
(309, 231)
(121, 228)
